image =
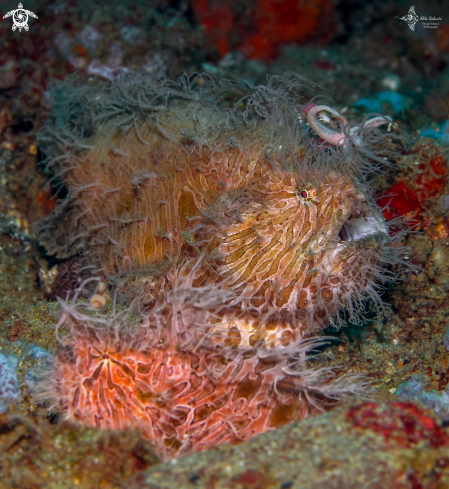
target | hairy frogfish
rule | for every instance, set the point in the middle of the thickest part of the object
(241, 221)
(158, 172)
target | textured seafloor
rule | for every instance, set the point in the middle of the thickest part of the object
(407, 356)
(367, 445)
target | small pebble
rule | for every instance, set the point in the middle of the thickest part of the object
(411, 388)
(392, 82)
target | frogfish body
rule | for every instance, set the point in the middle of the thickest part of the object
(179, 385)
(160, 174)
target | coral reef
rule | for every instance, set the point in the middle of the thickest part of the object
(159, 171)
(186, 387)
(406, 355)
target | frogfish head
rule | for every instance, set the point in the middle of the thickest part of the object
(162, 174)
(295, 249)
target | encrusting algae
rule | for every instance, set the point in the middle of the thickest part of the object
(217, 213)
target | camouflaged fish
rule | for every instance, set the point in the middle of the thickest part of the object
(268, 190)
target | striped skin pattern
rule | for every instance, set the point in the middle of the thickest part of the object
(286, 223)
(279, 251)
(185, 391)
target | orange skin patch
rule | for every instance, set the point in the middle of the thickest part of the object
(182, 400)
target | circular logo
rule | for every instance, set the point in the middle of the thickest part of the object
(20, 18)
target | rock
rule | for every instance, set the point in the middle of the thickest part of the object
(421, 247)
(39, 454)
(411, 388)
(9, 382)
(367, 445)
